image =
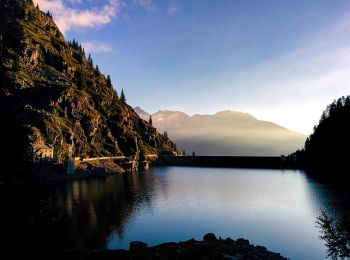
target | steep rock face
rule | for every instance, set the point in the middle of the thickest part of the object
(50, 93)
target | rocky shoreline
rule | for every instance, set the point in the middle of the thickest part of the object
(210, 247)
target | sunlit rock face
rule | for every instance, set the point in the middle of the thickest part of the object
(225, 133)
(51, 93)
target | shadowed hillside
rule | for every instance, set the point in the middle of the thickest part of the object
(50, 93)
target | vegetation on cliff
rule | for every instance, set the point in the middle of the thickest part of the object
(51, 93)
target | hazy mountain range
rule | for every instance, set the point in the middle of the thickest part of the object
(225, 133)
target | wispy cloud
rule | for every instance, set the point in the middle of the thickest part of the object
(173, 8)
(96, 47)
(147, 4)
(299, 83)
(68, 18)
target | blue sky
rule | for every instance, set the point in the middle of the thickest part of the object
(281, 61)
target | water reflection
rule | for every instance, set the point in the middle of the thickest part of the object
(336, 234)
(271, 207)
(79, 214)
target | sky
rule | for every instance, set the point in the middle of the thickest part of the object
(281, 61)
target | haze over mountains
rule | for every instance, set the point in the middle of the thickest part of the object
(225, 133)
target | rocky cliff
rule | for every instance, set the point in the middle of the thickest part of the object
(51, 93)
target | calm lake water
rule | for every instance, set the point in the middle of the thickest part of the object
(274, 208)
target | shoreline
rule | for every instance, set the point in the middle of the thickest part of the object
(46, 173)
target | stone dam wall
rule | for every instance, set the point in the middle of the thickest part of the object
(225, 161)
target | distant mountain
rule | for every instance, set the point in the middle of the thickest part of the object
(225, 133)
(142, 113)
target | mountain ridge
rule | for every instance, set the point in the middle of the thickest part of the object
(225, 133)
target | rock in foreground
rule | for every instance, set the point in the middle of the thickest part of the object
(209, 248)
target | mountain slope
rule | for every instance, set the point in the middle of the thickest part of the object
(226, 133)
(50, 93)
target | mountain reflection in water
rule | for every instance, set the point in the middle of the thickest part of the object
(79, 214)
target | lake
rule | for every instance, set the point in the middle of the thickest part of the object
(274, 208)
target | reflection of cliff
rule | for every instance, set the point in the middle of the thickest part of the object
(100, 207)
(81, 215)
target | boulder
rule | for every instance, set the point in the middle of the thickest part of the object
(137, 245)
(209, 237)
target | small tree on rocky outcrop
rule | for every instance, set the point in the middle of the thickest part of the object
(150, 120)
(109, 82)
(80, 79)
(90, 61)
(48, 14)
(122, 96)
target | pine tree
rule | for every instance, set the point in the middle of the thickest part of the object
(109, 82)
(347, 101)
(150, 120)
(48, 14)
(16, 63)
(90, 61)
(81, 79)
(122, 96)
(166, 134)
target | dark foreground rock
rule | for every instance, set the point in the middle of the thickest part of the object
(209, 248)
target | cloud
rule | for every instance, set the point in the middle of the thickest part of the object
(68, 18)
(173, 8)
(147, 4)
(293, 89)
(96, 47)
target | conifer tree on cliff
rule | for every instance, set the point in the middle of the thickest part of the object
(109, 82)
(90, 61)
(150, 120)
(122, 96)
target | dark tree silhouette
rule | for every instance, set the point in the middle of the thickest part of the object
(90, 61)
(122, 96)
(328, 145)
(165, 134)
(48, 14)
(109, 82)
(150, 120)
(80, 79)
